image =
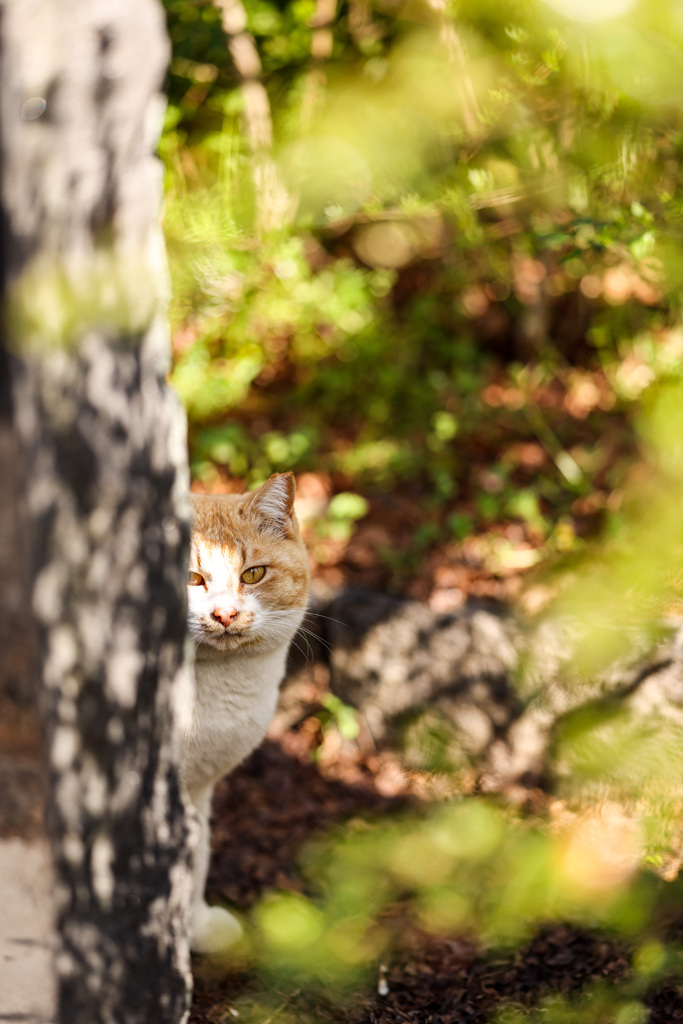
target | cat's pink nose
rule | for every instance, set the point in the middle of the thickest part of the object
(224, 615)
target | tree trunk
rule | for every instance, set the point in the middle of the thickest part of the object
(103, 450)
(16, 691)
(273, 203)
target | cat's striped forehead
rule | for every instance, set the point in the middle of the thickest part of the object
(219, 519)
(233, 533)
(207, 556)
(231, 519)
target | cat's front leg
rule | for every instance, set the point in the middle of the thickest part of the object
(213, 929)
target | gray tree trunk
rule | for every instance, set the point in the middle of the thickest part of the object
(104, 462)
(15, 639)
(274, 206)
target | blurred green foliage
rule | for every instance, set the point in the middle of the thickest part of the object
(469, 869)
(474, 303)
(483, 197)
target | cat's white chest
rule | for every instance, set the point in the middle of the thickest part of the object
(234, 701)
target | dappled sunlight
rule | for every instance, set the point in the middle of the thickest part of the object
(463, 336)
(588, 11)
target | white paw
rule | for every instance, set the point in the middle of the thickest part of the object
(213, 930)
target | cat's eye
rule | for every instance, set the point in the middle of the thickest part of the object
(195, 579)
(253, 575)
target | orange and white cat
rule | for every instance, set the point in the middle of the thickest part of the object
(247, 593)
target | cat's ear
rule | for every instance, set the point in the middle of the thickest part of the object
(273, 503)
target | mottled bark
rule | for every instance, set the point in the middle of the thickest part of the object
(104, 459)
(16, 690)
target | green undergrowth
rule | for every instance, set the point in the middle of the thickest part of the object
(464, 336)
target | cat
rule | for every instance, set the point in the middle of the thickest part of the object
(247, 595)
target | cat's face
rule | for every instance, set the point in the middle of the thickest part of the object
(248, 578)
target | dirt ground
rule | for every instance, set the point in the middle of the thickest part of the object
(264, 815)
(26, 981)
(302, 782)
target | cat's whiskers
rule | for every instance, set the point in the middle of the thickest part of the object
(285, 636)
(308, 655)
(318, 639)
(319, 615)
(305, 631)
